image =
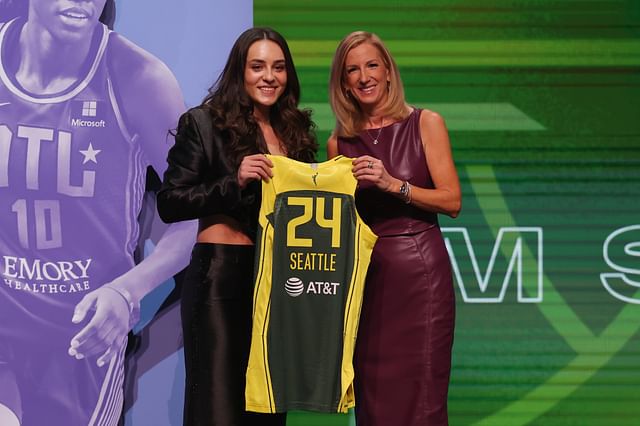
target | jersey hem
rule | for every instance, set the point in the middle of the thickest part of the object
(298, 406)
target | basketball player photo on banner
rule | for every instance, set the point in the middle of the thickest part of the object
(84, 113)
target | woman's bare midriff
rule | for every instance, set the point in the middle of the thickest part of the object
(223, 230)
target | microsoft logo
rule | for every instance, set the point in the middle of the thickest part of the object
(89, 108)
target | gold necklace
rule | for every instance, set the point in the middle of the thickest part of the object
(375, 140)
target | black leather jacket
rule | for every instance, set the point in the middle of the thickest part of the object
(201, 181)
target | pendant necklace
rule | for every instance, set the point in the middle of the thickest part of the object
(375, 140)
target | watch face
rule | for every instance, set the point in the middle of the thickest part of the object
(403, 188)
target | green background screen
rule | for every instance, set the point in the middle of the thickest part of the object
(542, 101)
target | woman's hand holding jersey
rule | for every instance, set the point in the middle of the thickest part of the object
(254, 167)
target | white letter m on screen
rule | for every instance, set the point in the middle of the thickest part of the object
(516, 253)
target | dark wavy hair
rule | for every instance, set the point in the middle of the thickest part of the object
(10, 9)
(232, 108)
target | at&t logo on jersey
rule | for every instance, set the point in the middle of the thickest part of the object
(295, 287)
(87, 114)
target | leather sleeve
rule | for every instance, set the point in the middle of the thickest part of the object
(197, 182)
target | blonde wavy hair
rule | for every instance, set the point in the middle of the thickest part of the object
(350, 118)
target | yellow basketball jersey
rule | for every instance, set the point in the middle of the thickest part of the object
(312, 255)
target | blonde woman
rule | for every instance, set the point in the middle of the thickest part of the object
(406, 176)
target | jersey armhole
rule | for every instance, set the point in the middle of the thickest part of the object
(114, 98)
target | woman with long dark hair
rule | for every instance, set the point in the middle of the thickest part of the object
(214, 176)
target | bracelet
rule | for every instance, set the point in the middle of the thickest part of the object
(405, 192)
(134, 307)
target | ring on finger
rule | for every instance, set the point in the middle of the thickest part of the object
(370, 164)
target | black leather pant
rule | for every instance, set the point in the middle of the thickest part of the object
(216, 323)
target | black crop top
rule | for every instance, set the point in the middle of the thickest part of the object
(200, 179)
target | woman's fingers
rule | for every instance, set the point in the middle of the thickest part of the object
(368, 166)
(370, 169)
(260, 171)
(254, 167)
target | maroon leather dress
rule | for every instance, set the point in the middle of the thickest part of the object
(403, 351)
